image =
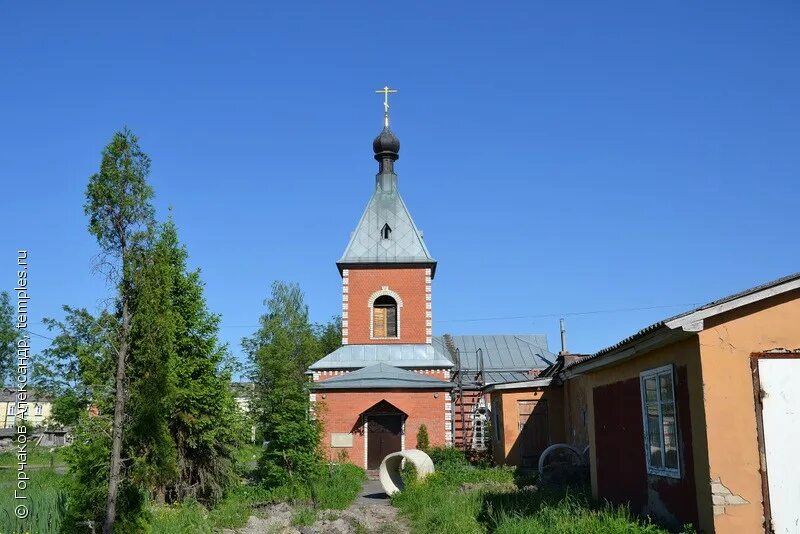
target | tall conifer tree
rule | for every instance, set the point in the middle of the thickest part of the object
(203, 418)
(121, 218)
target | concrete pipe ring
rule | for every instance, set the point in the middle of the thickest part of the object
(389, 472)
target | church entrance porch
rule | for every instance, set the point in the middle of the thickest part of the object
(383, 425)
(384, 436)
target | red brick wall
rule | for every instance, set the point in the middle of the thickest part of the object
(341, 412)
(410, 283)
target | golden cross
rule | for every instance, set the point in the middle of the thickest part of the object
(386, 92)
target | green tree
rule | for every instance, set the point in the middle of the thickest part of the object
(148, 445)
(9, 334)
(281, 351)
(121, 219)
(329, 335)
(203, 421)
(77, 368)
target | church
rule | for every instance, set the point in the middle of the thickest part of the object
(391, 375)
(690, 420)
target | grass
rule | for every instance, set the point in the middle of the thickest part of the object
(304, 517)
(334, 489)
(466, 499)
(37, 457)
(46, 502)
(186, 517)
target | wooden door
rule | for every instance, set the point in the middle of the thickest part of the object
(383, 438)
(776, 377)
(379, 322)
(534, 436)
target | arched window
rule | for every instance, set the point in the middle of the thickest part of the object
(384, 317)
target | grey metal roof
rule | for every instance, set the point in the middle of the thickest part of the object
(381, 376)
(33, 396)
(505, 377)
(399, 355)
(662, 324)
(501, 352)
(405, 244)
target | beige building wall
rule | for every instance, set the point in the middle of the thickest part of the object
(38, 412)
(727, 342)
(505, 450)
(576, 395)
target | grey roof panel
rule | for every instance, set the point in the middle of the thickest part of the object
(405, 244)
(504, 377)
(406, 355)
(501, 352)
(381, 376)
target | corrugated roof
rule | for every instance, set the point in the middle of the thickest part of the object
(662, 324)
(404, 245)
(399, 355)
(501, 352)
(381, 376)
(497, 377)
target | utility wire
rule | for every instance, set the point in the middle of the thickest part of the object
(505, 318)
(537, 316)
(567, 314)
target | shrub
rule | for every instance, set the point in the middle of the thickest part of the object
(447, 456)
(304, 516)
(338, 487)
(423, 442)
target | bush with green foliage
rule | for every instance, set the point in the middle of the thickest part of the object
(447, 457)
(281, 351)
(87, 481)
(423, 441)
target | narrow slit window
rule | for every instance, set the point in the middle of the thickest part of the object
(384, 317)
(386, 231)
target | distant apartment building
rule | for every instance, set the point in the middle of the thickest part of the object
(39, 408)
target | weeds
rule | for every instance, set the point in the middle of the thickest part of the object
(467, 499)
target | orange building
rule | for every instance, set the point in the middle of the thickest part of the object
(693, 419)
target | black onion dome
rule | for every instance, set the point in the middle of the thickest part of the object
(386, 144)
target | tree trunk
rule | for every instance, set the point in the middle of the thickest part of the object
(119, 419)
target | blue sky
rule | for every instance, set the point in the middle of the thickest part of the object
(560, 157)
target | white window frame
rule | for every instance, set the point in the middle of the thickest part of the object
(672, 472)
(12, 409)
(38, 410)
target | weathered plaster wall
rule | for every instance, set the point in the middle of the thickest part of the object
(726, 344)
(576, 412)
(506, 450)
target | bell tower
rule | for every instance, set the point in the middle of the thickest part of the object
(386, 268)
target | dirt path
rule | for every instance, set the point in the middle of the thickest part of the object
(370, 513)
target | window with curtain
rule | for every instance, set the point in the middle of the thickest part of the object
(384, 317)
